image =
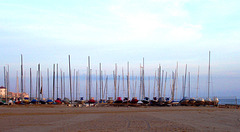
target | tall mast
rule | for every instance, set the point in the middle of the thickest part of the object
(41, 85)
(115, 81)
(53, 81)
(74, 78)
(89, 78)
(165, 85)
(118, 84)
(30, 83)
(162, 83)
(57, 80)
(76, 84)
(149, 87)
(7, 88)
(128, 83)
(61, 84)
(143, 85)
(185, 79)
(159, 79)
(39, 81)
(172, 85)
(106, 86)
(87, 85)
(64, 95)
(100, 80)
(70, 78)
(48, 81)
(154, 90)
(21, 76)
(140, 92)
(183, 87)
(209, 74)
(176, 79)
(123, 83)
(135, 85)
(197, 82)
(96, 87)
(189, 94)
(36, 84)
(17, 85)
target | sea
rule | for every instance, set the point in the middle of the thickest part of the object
(229, 101)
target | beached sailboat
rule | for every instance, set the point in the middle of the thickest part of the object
(146, 101)
(49, 101)
(208, 100)
(199, 101)
(184, 101)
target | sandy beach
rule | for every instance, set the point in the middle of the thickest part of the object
(62, 118)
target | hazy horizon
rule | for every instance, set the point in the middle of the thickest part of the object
(162, 31)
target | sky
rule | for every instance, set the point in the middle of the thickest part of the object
(162, 31)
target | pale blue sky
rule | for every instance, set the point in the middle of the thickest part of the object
(162, 31)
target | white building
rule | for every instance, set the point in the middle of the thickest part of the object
(2, 92)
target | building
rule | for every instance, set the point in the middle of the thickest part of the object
(2, 92)
(11, 94)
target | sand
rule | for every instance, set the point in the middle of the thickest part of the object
(56, 118)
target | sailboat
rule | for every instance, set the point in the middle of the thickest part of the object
(208, 100)
(199, 100)
(185, 99)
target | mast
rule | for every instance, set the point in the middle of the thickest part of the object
(115, 81)
(123, 83)
(185, 79)
(36, 84)
(128, 83)
(118, 84)
(64, 85)
(189, 84)
(39, 81)
(74, 78)
(41, 86)
(148, 86)
(96, 87)
(197, 82)
(61, 84)
(21, 76)
(165, 85)
(172, 85)
(106, 86)
(57, 80)
(209, 73)
(30, 84)
(87, 85)
(176, 79)
(70, 78)
(162, 83)
(140, 93)
(53, 81)
(143, 85)
(133, 87)
(77, 83)
(17, 85)
(154, 86)
(48, 81)
(159, 79)
(183, 88)
(7, 84)
(100, 81)
(89, 78)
